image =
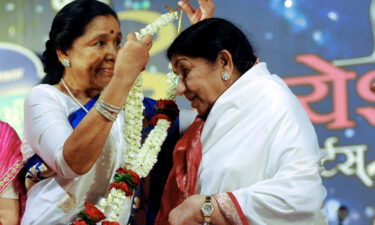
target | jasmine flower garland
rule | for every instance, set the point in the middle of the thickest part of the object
(139, 160)
(172, 82)
(134, 113)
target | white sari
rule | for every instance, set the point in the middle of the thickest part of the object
(259, 145)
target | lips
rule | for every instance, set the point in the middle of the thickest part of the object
(106, 70)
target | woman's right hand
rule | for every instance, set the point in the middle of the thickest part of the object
(206, 10)
(133, 57)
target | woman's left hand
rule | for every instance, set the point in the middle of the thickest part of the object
(189, 212)
(206, 10)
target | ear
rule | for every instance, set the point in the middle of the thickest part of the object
(225, 62)
(61, 54)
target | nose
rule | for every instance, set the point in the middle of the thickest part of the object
(112, 52)
(181, 87)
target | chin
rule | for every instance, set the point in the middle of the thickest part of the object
(105, 81)
(203, 113)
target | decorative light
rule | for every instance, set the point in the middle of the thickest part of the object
(349, 133)
(288, 3)
(317, 35)
(370, 212)
(268, 35)
(39, 8)
(333, 16)
(10, 6)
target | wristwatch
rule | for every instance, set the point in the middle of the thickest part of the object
(207, 209)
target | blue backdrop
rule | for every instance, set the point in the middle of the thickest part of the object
(324, 49)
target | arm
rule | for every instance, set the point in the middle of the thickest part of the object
(293, 196)
(9, 211)
(9, 206)
(73, 152)
(84, 146)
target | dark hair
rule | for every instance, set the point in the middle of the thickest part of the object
(69, 24)
(208, 37)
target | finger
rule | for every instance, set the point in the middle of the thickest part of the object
(197, 16)
(187, 8)
(206, 4)
(207, 7)
(131, 36)
(147, 39)
(149, 46)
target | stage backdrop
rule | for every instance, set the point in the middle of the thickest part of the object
(324, 50)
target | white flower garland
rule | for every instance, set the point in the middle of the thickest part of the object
(172, 82)
(140, 159)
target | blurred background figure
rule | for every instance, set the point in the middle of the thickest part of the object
(342, 214)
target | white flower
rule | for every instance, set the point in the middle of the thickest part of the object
(172, 82)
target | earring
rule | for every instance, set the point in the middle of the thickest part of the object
(66, 62)
(225, 76)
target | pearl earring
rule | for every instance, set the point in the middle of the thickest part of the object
(66, 62)
(225, 76)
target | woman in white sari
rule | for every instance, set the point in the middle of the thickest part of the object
(251, 156)
(74, 120)
(81, 148)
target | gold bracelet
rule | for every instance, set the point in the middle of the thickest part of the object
(105, 113)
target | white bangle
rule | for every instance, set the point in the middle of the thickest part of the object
(105, 113)
(109, 107)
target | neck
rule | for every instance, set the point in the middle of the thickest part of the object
(80, 91)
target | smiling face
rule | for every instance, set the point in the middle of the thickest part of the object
(200, 81)
(93, 54)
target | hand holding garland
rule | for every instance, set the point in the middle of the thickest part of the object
(131, 60)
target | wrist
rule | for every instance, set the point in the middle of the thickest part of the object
(207, 210)
(123, 81)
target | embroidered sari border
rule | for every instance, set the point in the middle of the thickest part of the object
(10, 175)
(230, 209)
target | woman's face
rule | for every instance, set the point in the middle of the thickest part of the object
(200, 81)
(94, 53)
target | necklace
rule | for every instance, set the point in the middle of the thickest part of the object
(72, 96)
